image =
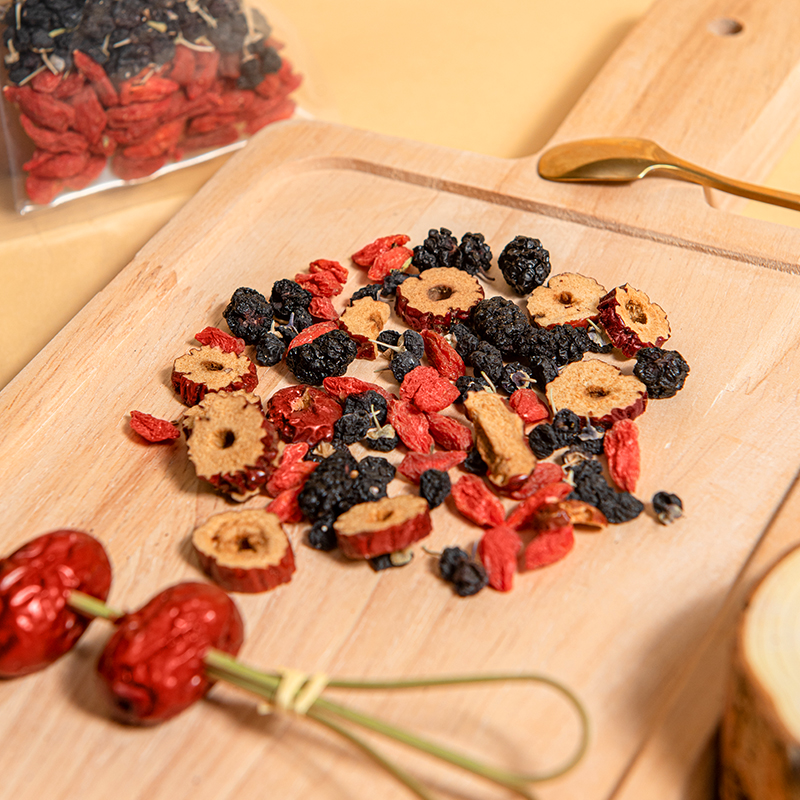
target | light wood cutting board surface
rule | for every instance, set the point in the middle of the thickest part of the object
(622, 620)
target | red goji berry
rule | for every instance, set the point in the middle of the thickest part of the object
(153, 663)
(90, 117)
(366, 256)
(312, 332)
(475, 501)
(153, 429)
(37, 626)
(183, 65)
(96, 75)
(549, 546)
(42, 191)
(411, 426)
(235, 101)
(529, 406)
(290, 80)
(285, 505)
(160, 142)
(498, 550)
(414, 464)
(322, 309)
(303, 414)
(205, 73)
(214, 337)
(442, 356)
(292, 470)
(544, 472)
(38, 158)
(45, 81)
(135, 133)
(255, 122)
(449, 433)
(389, 260)
(323, 265)
(428, 390)
(345, 386)
(52, 141)
(70, 85)
(62, 165)
(156, 87)
(205, 123)
(621, 446)
(523, 516)
(270, 86)
(321, 284)
(120, 116)
(44, 109)
(228, 134)
(94, 166)
(130, 169)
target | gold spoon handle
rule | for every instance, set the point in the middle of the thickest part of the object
(690, 172)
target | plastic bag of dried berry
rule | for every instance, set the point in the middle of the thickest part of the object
(102, 93)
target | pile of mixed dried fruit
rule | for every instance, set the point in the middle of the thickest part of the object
(136, 84)
(522, 390)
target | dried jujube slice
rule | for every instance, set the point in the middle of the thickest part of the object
(211, 369)
(568, 299)
(500, 439)
(36, 625)
(244, 551)
(597, 392)
(439, 297)
(384, 526)
(153, 664)
(632, 321)
(231, 443)
(364, 320)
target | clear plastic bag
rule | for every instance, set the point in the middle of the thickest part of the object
(102, 93)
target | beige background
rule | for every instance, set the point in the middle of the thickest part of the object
(490, 77)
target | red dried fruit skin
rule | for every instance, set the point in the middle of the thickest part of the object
(44, 109)
(411, 426)
(383, 526)
(214, 337)
(312, 332)
(428, 390)
(292, 471)
(131, 169)
(182, 70)
(621, 446)
(134, 90)
(42, 191)
(45, 81)
(96, 75)
(322, 309)
(366, 256)
(320, 284)
(153, 665)
(334, 267)
(256, 122)
(443, 356)
(234, 101)
(389, 260)
(94, 166)
(569, 512)
(134, 133)
(303, 414)
(205, 73)
(153, 429)
(632, 321)
(414, 464)
(162, 141)
(36, 625)
(61, 165)
(69, 85)
(529, 406)
(210, 122)
(548, 547)
(449, 433)
(53, 142)
(475, 501)
(120, 116)
(207, 369)
(524, 515)
(285, 506)
(544, 473)
(342, 387)
(498, 550)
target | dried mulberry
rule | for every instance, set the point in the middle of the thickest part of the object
(525, 264)
(328, 355)
(663, 372)
(434, 486)
(249, 315)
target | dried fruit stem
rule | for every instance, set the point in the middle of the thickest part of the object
(91, 606)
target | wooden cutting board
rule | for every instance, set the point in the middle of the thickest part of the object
(635, 620)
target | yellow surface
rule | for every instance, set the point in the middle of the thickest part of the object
(494, 78)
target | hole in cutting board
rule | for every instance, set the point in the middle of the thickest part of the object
(725, 27)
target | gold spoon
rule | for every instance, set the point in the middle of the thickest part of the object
(618, 160)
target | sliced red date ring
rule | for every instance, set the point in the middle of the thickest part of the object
(212, 369)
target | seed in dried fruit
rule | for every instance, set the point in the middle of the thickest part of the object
(152, 666)
(440, 297)
(387, 525)
(231, 443)
(568, 298)
(210, 369)
(597, 392)
(632, 321)
(525, 264)
(434, 486)
(364, 320)
(500, 439)
(37, 626)
(663, 372)
(668, 507)
(244, 551)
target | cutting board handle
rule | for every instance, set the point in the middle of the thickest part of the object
(660, 82)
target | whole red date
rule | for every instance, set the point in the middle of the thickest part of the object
(36, 624)
(153, 664)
